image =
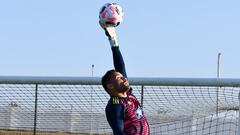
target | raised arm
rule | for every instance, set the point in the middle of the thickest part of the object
(118, 61)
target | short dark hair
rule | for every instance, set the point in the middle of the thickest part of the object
(106, 78)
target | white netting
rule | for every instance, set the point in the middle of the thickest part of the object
(171, 110)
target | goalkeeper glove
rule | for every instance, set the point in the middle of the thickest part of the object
(110, 32)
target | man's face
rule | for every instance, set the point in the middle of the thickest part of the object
(119, 82)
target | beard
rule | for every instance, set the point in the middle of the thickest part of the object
(123, 87)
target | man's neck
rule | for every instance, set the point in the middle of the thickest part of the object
(124, 94)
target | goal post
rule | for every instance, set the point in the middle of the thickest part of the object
(175, 106)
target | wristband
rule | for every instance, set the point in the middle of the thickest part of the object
(113, 42)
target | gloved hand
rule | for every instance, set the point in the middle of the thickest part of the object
(110, 32)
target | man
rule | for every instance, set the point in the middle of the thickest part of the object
(124, 112)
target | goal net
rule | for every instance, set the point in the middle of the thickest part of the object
(77, 105)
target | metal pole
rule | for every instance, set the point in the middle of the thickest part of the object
(218, 83)
(142, 92)
(91, 122)
(239, 113)
(92, 69)
(35, 113)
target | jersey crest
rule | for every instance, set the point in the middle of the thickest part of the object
(139, 113)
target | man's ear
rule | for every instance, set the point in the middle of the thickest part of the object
(110, 86)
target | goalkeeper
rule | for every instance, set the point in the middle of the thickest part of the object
(124, 112)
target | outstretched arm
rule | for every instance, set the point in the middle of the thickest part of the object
(118, 61)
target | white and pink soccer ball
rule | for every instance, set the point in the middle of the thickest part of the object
(111, 14)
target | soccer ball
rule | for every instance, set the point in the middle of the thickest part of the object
(111, 14)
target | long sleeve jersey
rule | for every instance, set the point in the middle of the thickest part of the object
(125, 114)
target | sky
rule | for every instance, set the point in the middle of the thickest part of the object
(158, 38)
